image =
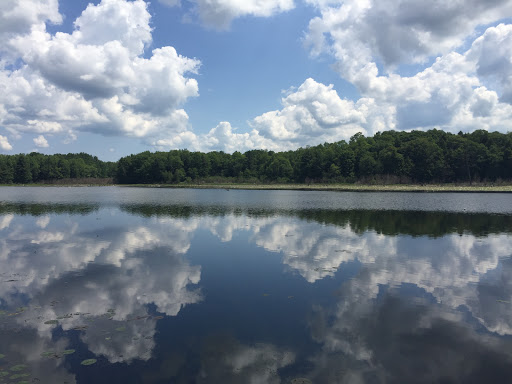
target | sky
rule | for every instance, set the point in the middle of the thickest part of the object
(116, 77)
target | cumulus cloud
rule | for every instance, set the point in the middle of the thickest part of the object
(312, 114)
(4, 144)
(394, 32)
(41, 142)
(460, 90)
(99, 78)
(220, 13)
(18, 16)
(493, 52)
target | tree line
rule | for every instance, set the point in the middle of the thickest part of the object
(389, 223)
(390, 156)
(36, 168)
(387, 157)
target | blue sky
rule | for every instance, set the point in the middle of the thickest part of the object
(114, 77)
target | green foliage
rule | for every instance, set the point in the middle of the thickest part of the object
(417, 156)
(36, 167)
(422, 157)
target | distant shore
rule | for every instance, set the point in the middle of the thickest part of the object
(342, 187)
(303, 187)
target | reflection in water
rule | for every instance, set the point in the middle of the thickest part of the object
(67, 278)
(225, 360)
(334, 296)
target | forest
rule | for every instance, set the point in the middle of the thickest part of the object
(38, 168)
(433, 156)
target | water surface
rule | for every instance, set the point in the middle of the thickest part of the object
(214, 286)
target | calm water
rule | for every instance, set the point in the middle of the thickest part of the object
(198, 286)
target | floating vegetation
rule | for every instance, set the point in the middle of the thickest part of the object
(4, 373)
(19, 367)
(266, 294)
(158, 317)
(88, 362)
(51, 322)
(49, 354)
(503, 301)
(68, 316)
(2, 355)
(19, 376)
(3, 313)
(301, 380)
(121, 329)
(80, 328)
(68, 352)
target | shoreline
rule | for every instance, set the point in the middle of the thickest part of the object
(429, 188)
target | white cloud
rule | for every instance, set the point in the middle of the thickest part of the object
(493, 53)
(98, 78)
(459, 91)
(18, 16)
(4, 144)
(220, 13)
(312, 114)
(394, 32)
(41, 142)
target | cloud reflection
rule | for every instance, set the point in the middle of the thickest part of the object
(411, 296)
(101, 286)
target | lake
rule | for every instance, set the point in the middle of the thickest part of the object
(140, 285)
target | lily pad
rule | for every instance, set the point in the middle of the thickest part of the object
(3, 373)
(19, 367)
(121, 329)
(51, 322)
(19, 376)
(68, 352)
(88, 362)
(48, 354)
(2, 356)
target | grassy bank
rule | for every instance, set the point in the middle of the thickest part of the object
(342, 187)
(299, 187)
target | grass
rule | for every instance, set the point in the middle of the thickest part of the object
(308, 187)
(343, 187)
